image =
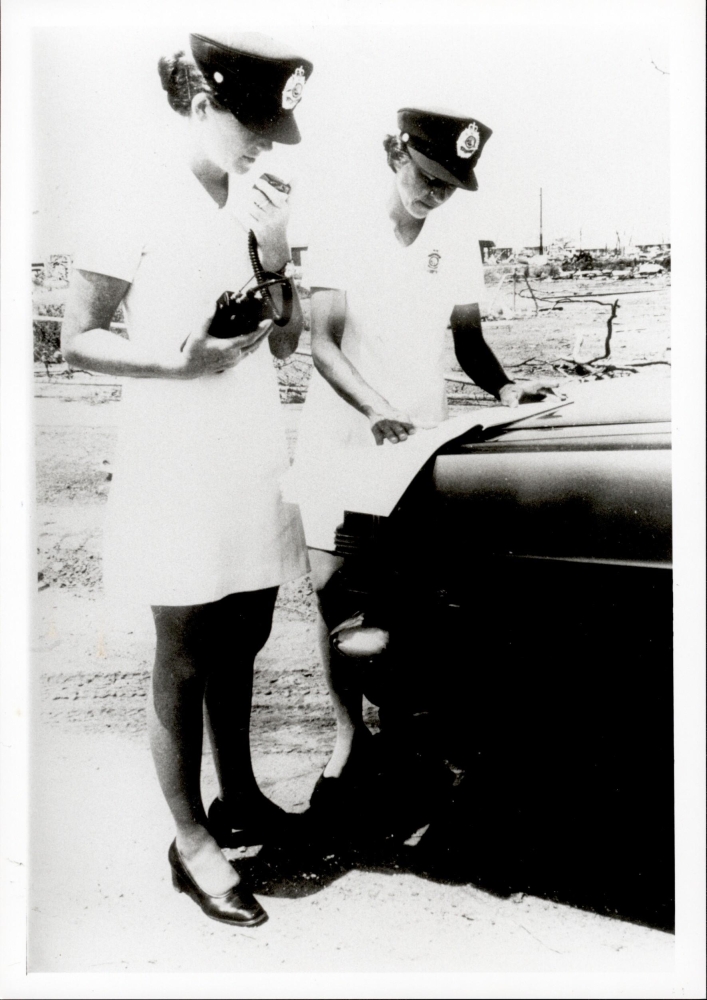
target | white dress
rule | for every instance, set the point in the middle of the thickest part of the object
(195, 510)
(398, 305)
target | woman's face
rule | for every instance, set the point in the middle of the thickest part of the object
(420, 192)
(228, 144)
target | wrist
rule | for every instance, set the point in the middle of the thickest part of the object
(277, 257)
(171, 365)
(373, 410)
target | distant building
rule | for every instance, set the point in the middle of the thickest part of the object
(487, 248)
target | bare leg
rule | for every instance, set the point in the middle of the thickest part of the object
(239, 628)
(342, 679)
(176, 734)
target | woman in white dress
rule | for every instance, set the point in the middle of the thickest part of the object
(196, 526)
(387, 281)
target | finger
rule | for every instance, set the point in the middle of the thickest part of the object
(225, 344)
(539, 383)
(221, 364)
(378, 434)
(390, 433)
(244, 340)
(275, 197)
(250, 339)
(225, 355)
(400, 431)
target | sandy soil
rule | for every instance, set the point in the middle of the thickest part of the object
(101, 894)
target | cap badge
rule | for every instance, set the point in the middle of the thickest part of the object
(468, 141)
(292, 92)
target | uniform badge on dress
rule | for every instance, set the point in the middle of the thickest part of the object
(433, 260)
(293, 89)
(468, 141)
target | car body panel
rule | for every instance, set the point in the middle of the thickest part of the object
(591, 481)
(525, 582)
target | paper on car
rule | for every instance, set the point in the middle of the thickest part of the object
(372, 480)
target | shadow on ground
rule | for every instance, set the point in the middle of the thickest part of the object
(413, 814)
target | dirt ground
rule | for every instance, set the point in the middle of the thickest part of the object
(101, 893)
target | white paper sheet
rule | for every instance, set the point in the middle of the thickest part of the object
(372, 480)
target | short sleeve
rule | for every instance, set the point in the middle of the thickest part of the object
(324, 264)
(469, 286)
(339, 249)
(112, 238)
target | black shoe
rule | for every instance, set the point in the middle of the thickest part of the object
(236, 906)
(357, 773)
(264, 824)
(327, 794)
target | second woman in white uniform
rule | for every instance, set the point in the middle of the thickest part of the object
(387, 279)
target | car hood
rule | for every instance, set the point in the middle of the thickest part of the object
(642, 398)
(589, 481)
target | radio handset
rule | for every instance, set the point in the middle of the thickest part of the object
(239, 313)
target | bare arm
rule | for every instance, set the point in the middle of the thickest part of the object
(328, 320)
(483, 367)
(87, 342)
(473, 353)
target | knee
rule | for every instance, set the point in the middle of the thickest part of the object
(353, 638)
(177, 664)
(352, 632)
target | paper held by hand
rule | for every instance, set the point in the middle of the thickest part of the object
(372, 480)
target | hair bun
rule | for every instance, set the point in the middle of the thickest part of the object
(167, 69)
(181, 79)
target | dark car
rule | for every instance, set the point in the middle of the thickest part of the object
(525, 579)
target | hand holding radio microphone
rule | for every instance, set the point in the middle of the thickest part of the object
(266, 212)
(243, 320)
(268, 216)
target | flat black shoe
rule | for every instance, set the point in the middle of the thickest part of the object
(266, 823)
(236, 906)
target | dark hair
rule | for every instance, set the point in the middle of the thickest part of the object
(396, 151)
(181, 79)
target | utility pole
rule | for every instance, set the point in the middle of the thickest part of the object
(541, 220)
